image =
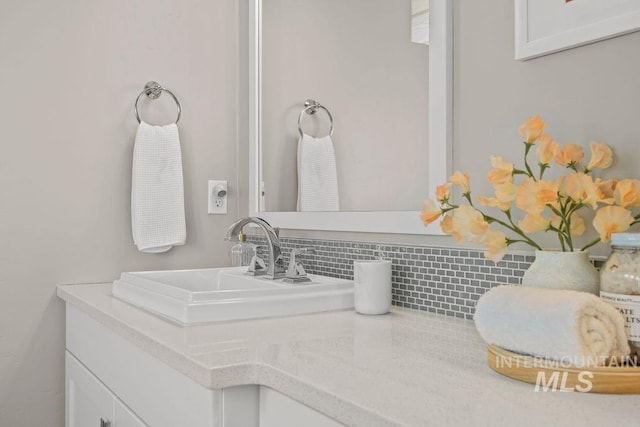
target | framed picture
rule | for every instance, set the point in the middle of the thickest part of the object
(547, 26)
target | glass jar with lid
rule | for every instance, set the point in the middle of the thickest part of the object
(620, 283)
(242, 252)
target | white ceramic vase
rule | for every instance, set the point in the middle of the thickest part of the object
(563, 270)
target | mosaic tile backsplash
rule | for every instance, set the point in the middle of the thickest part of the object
(439, 280)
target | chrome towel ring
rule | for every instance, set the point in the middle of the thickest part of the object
(310, 107)
(153, 90)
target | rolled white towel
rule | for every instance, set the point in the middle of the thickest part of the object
(562, 325)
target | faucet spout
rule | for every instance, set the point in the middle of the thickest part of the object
(275, 262)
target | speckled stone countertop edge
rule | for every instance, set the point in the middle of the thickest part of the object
(250, 373)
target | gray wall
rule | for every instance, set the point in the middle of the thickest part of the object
(69, 73)
(356, 57)
(588, 93)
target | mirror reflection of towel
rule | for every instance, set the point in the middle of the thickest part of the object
(317, 175)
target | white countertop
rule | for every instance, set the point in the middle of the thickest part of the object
(406, 368)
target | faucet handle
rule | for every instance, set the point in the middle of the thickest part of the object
(257, 266)
(296, 272)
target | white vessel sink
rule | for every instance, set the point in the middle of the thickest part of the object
(218, 294)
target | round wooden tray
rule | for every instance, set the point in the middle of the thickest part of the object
(549, 375)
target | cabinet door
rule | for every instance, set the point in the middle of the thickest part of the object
(88, 402)
(124, 417)
(278, 410)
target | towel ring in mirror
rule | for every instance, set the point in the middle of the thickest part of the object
(310, 107)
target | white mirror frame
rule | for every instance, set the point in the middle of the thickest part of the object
(440, 129)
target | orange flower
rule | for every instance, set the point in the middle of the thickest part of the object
(502, 171)
(533, 222)
(577, 227)
(532, 196)
(531, 129)
(581, 188)
(547, 191)
(526, 197)
(612, 219)
(430, 212)
(442, 192)
(570, 154)
(627, 193)
(496, 243)
(547, 149)
(506, 193)
(468, 225)
(607, 188)
(492, 202)
(446, 225)
(461, 179)
(601, 156)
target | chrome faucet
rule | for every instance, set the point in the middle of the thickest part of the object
(275, 262)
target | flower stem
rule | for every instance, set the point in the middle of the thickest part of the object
(636, 220)
(563, 232)
(513, 228)
(543, 167)
(591, 243)
(560, 235)
(567, 221)
(561, 238)
(508, 214)
(526, 164)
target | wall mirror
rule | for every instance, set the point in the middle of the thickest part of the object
(367, 86)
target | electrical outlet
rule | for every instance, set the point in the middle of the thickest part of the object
(217, 197)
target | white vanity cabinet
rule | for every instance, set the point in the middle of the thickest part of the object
(108, 377)
(123, 417)
(89, 403)
(110, 382)
(277, 410)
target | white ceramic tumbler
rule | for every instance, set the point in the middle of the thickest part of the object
(372, 283)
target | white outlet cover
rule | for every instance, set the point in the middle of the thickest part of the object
(217, 205)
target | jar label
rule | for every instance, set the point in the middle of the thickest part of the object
(629, 306)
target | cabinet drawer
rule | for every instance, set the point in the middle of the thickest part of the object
(158, 394)
(88, 401)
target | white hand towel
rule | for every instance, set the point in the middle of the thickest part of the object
(317, 175)
(566, 326)
(157, 193)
